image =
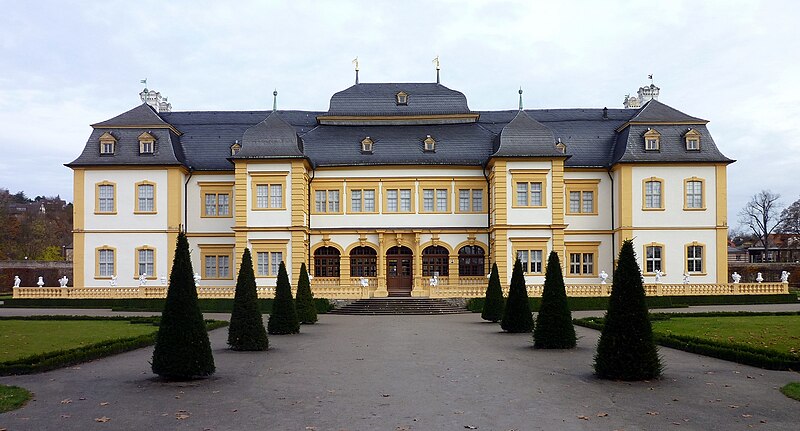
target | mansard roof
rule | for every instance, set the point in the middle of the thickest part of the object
(379, 99)
(593, 137)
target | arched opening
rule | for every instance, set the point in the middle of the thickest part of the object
(435, 261)
(399, 271)
(363, 262)
(326, 262)
(471, 261)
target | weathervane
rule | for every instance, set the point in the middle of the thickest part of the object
(355, 62)
(436, 62)
(650, 77)
(144, 81)
(275, 100)
(520, 98)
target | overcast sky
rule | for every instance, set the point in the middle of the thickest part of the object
(66, 65)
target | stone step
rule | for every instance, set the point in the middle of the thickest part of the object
(399, 306)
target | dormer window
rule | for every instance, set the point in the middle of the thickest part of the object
(652, 140)
(235, 148)
(146, 143)
(366, 145)
(402, 98)
(692, 138)
(560, 146)
(430, 144)
(108, 144)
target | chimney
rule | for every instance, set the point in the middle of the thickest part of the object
(605, 113)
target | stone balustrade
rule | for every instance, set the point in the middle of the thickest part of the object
(448, 287)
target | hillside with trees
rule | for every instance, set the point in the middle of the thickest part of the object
(36, 229)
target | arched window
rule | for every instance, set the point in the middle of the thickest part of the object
(363, 262)
(326, 262)
(435, 261)
(470, 261)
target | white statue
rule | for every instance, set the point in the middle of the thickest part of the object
(142, 279)
(784, 277)
(63, 281)
(686, 278)
(163, 280)
(736, 277)
(659, 274)
(603, 277)
(759, 277)
(197, 278)
(17, 281)
(113, 281)
(40, 283)
(434, 281)
(364, 282)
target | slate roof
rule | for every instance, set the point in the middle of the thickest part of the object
(379, 99)
(591, 139)
(525, 137)
(271, 138)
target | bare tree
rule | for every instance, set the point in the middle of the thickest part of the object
(761, 215)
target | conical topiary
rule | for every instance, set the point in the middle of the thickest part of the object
(493, 304)
(554, 328)
(626, 350)
(517, 315)
(246, 331)
(306, 311)
(283, 319)
(182, 349)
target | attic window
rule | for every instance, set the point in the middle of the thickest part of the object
(146, 143)
(235, 148)
(366, 145)
(402, 98)
(107, 144)
(430, 144)
(692, 138)
(652, 140)
(560, 146)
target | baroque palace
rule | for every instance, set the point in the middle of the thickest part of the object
(400, 189)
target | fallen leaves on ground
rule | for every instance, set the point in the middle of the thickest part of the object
(102, 419)
(602, 414)
(181, 415)
(66, 401)
(586, 418)
(652, 413)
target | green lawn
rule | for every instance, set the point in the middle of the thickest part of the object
(21, 338)
(779, 333)
(792, 390)
(13, 397)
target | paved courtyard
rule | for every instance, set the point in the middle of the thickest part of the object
(405, 373)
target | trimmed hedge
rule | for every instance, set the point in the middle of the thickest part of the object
(739, 353)
(577, 303)
(221, 305)
(62, 358)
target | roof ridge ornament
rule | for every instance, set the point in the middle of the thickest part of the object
(438, 66)
(520, 98)
(355, 62)
(275, 100)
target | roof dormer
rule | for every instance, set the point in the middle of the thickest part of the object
(429, 144)
(652, 140)
(147, 143)
(401, 98)
(367, 145)
(235, 148)
(108, 144)
(692, 140)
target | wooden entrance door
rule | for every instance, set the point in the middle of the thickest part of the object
(399, 271)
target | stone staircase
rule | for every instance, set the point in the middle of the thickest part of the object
(398, 306)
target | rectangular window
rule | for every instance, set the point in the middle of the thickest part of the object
(470, 200)
(391, 200)
(267, 194)
(268, 263)
(536, 194)
(362, 200)
(216, 262)
(105, 262)
(463, 200)
(146, 197)
(694, 258)
(333, 201)
(405, 200)
(146, 262)
(653, 259)
(582, 259)
(652, 194)
(694, 194)
(427, 200)
(692, 144)
(531, 260)
(326, 201)
(441, 200)
(355, 201)
(581, 196)
(651, 144)
(107, 148)
(105, 198)
(146, 147)
(477, 200)
(529, 194)
(369, 201)
(522, 194)
(321, 201)
(217, 205)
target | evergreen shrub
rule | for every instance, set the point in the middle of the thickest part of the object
(283, 319)
(554, 328)
(517, 316)
(494, 303)
(246, 331)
